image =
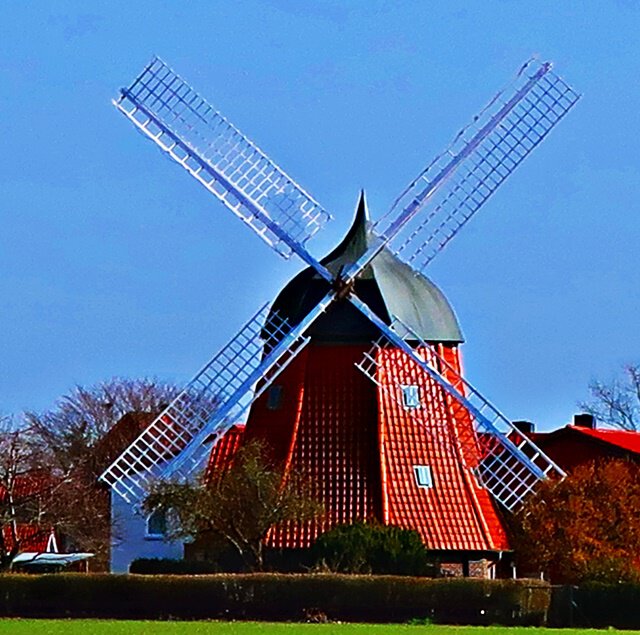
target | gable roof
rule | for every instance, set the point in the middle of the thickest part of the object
(623, 439)
(617, 440)
(120, 436)
(31, 537)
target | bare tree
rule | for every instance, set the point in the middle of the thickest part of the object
(617, 403)
(22, 484)
(37, 496)
(61, 447)
(70, 430)
(238, 506)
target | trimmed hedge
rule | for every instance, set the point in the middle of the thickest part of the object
(598, 605)
(275, 597)
(171, 566)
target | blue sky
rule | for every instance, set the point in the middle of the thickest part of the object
(112, 262)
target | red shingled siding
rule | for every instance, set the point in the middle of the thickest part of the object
(335, 442)
(454, 514)
(224, 450)
(472, 449)
(278, 427)
(358, 445)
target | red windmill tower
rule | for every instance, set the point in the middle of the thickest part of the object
(406, 441)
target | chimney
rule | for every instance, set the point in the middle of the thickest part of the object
(584, 420)
(526, 427)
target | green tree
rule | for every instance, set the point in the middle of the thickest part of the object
(238, 506)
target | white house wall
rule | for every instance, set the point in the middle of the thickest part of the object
(129, 540)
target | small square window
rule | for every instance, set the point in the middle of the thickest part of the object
(423, 476)
(274, 398)
(411, 396)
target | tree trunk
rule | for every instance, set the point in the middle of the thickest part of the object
(258, 556)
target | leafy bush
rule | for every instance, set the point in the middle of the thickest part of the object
(238, 505)
(370, 548)
(610, 570)
(274, 597)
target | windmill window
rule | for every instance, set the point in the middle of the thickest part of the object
(410, 396)
(274, 398)
(157, 524)
(423, 476)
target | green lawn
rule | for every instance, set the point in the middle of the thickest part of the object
(111, 627)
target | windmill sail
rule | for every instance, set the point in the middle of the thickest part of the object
(457, 183)
(231, 167)
(215, 399)
(422, 220)
(505, 461)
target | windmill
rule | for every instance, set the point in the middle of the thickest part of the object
(426, 215)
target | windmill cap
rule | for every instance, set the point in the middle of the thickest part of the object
(388, 286)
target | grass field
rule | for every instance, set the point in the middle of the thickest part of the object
(112, 627)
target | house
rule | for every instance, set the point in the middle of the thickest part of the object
(583, 442)
(36, 545)
(135, 534)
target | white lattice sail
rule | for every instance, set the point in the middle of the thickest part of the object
(455, 185)
(230, 166)
(215, 399)
(505, 461)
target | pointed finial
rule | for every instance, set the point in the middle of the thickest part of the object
(362, 212)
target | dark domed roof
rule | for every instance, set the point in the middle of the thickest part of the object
(388, 286)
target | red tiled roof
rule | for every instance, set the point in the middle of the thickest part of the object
(119, 437)
(31, 537)
(224, 450)
(626, 440)
(358, 447)
(29, 485)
